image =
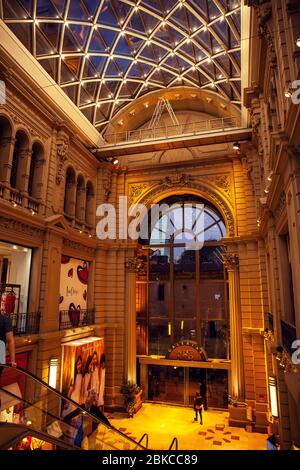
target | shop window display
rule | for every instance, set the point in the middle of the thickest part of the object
(15, 264)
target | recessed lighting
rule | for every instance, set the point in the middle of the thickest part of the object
(188, 40)
(298, 42)
(209, 60)
(32, 212)
(236, 146)
(266, 191)
(115, 161)
(15, 247)
(148, 42)
(205, 28)
(98, 105)
(80, 231)
(90, 236)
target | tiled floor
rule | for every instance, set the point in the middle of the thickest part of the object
(163, 422)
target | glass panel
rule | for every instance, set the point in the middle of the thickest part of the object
(27, 401)
(159, 264)
(159, 337)
(185, 329)
(166, 384)
(197, 383)
(217, 388)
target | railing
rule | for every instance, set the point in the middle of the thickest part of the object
(166, 132)
(76, 318)
(288, 333)
(144, 436)
(16, 198)
(25, 323)
(174, 443)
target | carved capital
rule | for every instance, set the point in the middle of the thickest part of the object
(231, 261)
(134, 265)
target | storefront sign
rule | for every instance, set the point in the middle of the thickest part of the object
(187, 351)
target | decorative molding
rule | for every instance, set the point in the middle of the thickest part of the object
(15, 226)
(203, 189)
(231, 260)
(78, 247)
(135, 191)
(177, 180)
(61, 154)
(223, 182)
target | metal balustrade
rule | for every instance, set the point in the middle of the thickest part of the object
(167, 132)
(76, 319)
(25, 323)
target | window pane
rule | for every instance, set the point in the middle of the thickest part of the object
(166, 384)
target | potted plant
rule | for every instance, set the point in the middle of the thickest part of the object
(130, 391)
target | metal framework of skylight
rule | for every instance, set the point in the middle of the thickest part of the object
(107, 53)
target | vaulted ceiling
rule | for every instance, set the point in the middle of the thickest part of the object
(107, 53)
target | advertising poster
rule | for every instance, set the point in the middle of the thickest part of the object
(73, 288)
(83, 373)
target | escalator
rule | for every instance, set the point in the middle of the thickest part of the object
(37, 413)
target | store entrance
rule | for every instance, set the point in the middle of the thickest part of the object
(178, 385)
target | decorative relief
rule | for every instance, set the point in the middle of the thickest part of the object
(281, 206)
(18, 227)
(78, 247)
(135, 191)
(178, 180)
(62, 157)
(107, 184)
(230, 260)
(223, 182)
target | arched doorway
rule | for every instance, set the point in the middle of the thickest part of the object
(182, 296)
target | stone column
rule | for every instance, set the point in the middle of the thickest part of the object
(132, 266)
(24, 162)
(231, 262)
(7, 146)
(80, 204)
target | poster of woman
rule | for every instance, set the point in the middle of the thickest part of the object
(82, 377)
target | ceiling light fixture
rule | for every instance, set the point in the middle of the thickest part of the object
(288, 93)
(298, 42)
(236, 146)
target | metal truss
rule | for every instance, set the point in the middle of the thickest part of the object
(107, 53)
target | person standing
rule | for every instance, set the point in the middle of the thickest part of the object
(198, 406)
(7, 336)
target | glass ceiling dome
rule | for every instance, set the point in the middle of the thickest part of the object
(106, 53)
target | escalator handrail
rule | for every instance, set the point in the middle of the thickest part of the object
(28, 431)
(174, 441)
(69, 400)
(145, 435)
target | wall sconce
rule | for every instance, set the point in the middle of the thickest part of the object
(273, 396)
(53, 365)
(169, 329)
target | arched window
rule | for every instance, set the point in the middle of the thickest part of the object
(80, 199)
(19, 163)
(182, 294)
(70, 192)
(35, 180)
(5, 143)
(90, 209)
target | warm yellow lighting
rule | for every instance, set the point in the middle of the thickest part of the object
(53, 366)
(115, 161)
(236, 146)
(169, 329)
(266, 191)
(298, 42)
(288, 93)
(273, 396)
(181, 325)
(209, 60)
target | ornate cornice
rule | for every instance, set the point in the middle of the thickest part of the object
(78, 247)
(12, 225)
